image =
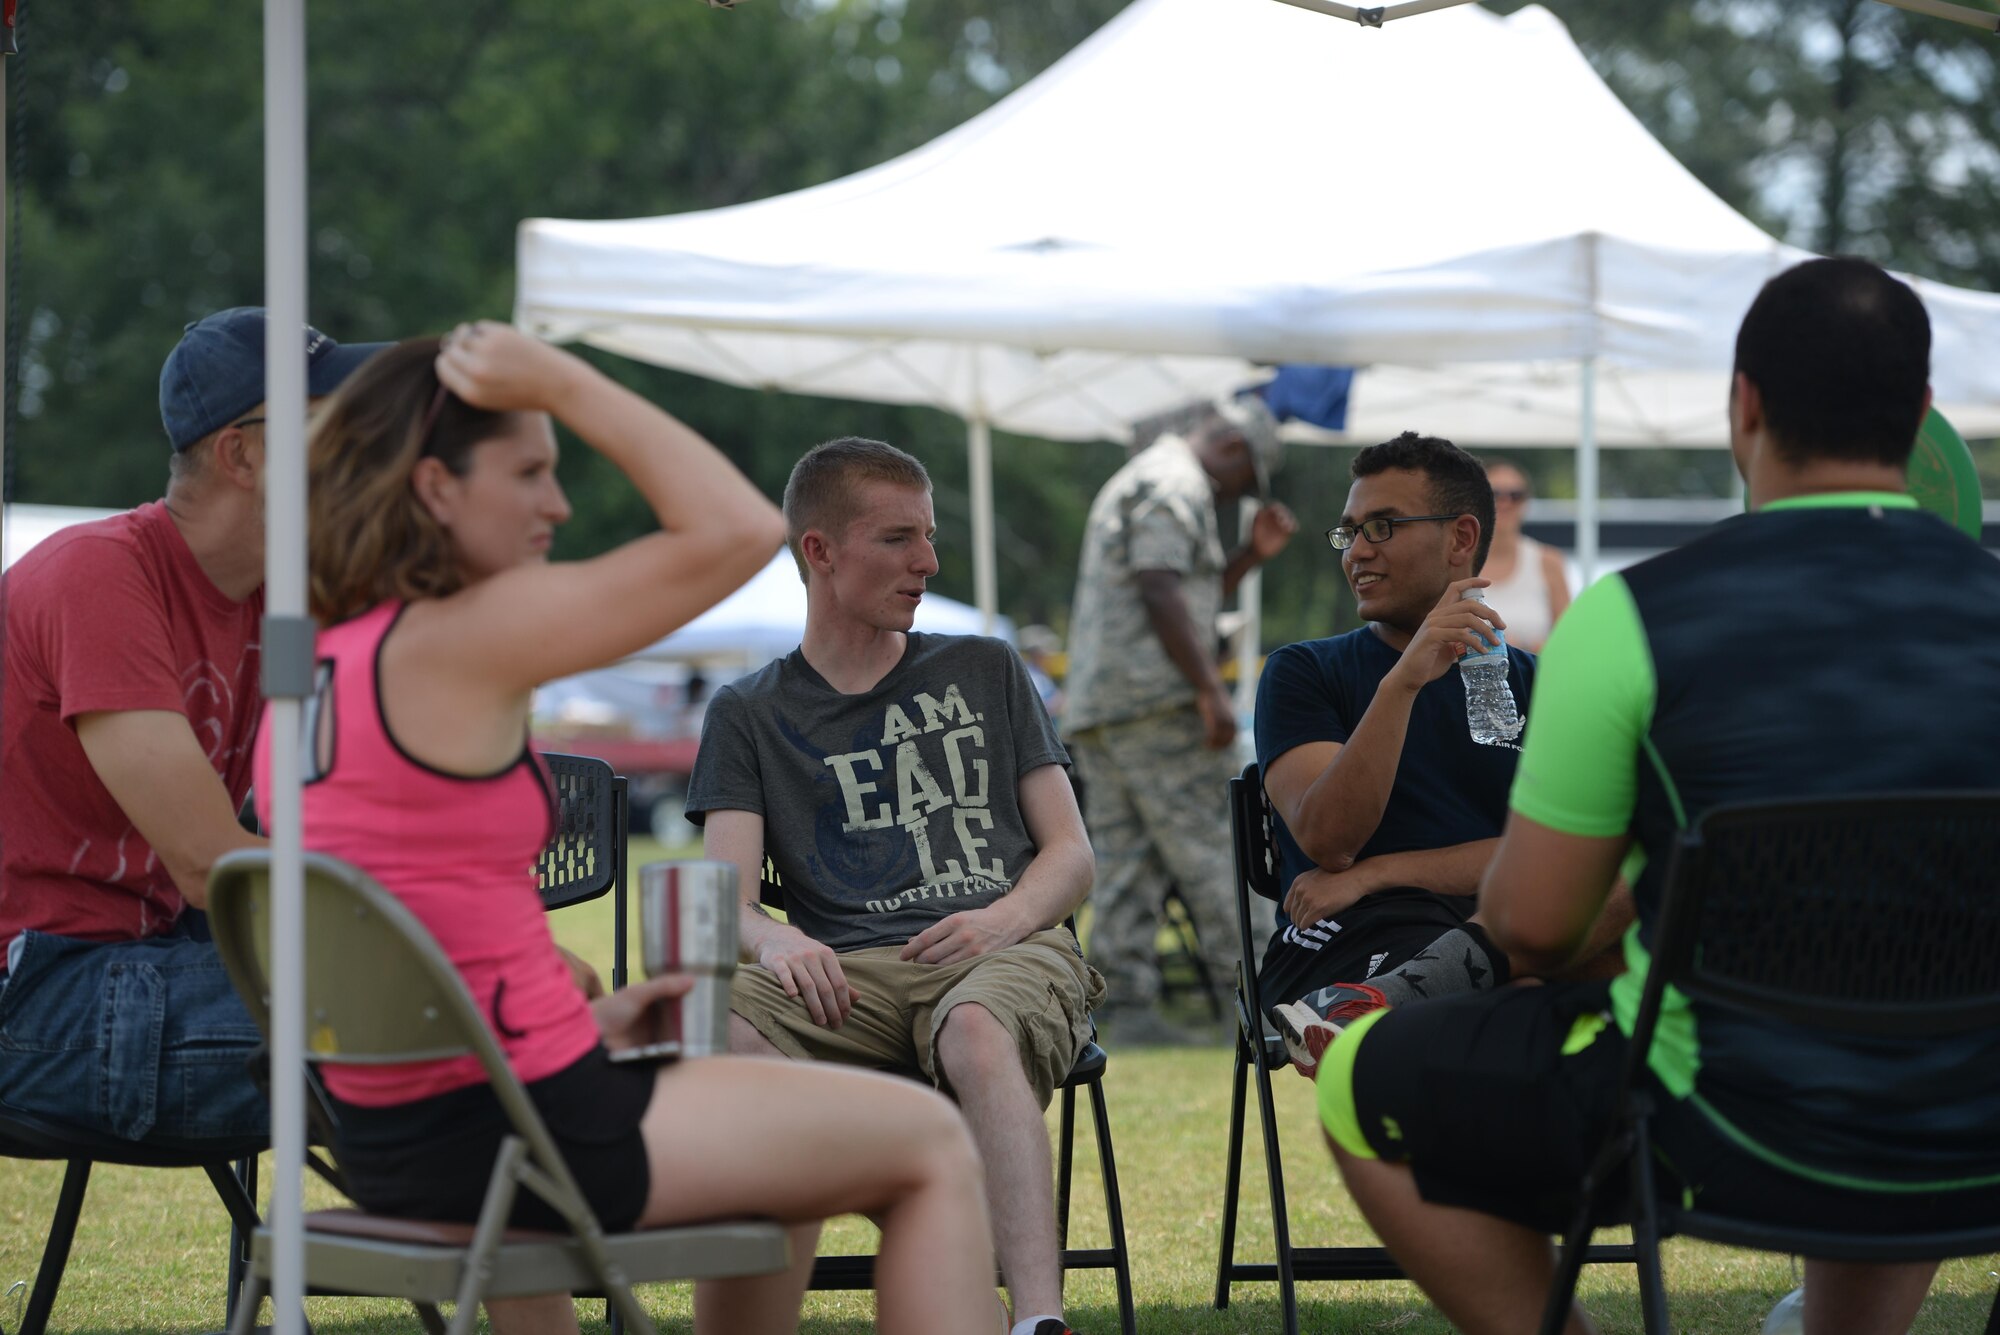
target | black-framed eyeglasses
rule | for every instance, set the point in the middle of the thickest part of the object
(1377, 530)
(248, 421)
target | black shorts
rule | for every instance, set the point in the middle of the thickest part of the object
(433, 1158)
(1499, 1100)
(1384, 935)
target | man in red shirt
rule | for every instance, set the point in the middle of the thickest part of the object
(127, 708)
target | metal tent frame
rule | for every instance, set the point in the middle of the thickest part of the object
(1377, 15)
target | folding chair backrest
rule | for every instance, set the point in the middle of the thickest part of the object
(378, 988)
(1256, 873)
(1875, 914)
(585, 859)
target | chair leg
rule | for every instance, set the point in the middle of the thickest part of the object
(1233, 1180)
(1646, 1233)
(1066, 1158)
(1569, 1262)
(1993, 1317)
(239, 1240)
(55, 1252)
(1274, 1167)
(245, 1316)
(486, 1233)
(1114, 1209)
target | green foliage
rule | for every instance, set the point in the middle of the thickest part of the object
(1841, 125)
(436, 128)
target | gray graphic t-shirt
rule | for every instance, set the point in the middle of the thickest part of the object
(884, 811)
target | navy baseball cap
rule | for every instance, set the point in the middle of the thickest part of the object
(215, 373)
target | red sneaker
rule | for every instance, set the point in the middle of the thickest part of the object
(1308, 1034)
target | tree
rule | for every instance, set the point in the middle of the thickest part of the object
(1842, 125)
(434, 130)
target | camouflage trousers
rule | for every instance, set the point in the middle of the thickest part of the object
(1156, 802)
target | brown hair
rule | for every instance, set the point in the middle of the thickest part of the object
(821, 490)
(369, 538)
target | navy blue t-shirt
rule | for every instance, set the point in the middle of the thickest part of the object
(1449, 789)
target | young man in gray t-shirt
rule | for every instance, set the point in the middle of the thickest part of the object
(910, 793)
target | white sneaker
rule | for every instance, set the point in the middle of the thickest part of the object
(1789, 1316)
(1307, 1035)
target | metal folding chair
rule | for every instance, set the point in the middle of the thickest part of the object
(858, 1272)
(413, 1006)
(231, 1166)
(1260, 1050)
(1866, 915)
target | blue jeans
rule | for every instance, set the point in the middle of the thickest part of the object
(142, 1040)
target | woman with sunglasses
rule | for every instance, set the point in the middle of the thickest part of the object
(433, 506)
(1529, 585)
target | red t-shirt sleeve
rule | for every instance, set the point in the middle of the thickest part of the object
(103, 633)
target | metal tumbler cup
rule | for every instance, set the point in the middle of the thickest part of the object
(687, 924)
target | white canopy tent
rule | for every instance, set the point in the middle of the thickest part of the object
(1457, 204)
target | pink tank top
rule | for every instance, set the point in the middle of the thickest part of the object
(458, 851)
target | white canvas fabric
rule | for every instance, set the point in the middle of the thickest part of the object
(1455, 203)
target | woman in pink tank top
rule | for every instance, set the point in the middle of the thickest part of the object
(434, 504)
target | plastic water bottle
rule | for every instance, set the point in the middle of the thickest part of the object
(1490, 710)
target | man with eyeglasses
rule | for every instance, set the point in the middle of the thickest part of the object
(130, 700)
(1387, 810)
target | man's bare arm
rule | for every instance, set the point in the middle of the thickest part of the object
(153, 766)
(1456, 870)
(1332, 795)
(1190, 649)
(1545, 892)
(804, 968)
(1052, 887)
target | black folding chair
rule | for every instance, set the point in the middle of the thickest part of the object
(231, 1166)
(586, 859)
(858, 1272)
(1261, 1051)
(1868, 915)
(1184, 971)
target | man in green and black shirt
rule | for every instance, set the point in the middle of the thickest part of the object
(1835, 640)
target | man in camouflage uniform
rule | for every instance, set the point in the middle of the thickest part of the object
(1147, 720)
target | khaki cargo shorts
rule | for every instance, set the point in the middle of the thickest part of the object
(1040, 989)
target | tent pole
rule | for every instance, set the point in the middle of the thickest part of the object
(985, 585)
(1944, 9)
(1250, 602)
(287, 635)
(1586, 475)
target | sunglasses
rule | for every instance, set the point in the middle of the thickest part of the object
(1512, 495)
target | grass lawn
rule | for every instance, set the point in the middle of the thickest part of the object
(149, 1252)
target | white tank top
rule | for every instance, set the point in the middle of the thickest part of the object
(1523, 597)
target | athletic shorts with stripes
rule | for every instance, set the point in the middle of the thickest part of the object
(1499, 1100)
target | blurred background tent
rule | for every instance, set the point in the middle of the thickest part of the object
(1209, 185)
